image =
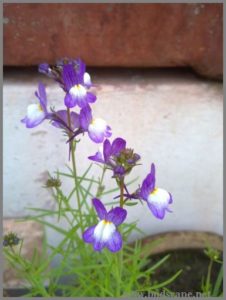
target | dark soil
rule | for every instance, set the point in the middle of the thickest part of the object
(194, 264)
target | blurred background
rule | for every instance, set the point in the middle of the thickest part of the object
(157, 70)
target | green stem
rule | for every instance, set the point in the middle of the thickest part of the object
(207, 286)
(100, 190)
(119, 262)
(121, 186)
(73, 148)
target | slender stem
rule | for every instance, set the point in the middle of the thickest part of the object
(121, 186)
(72, 148)
(100, 186)
(102, 177)
(207, 286)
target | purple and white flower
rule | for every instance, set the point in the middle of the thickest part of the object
(72, 76)
(76, 83)
(37, 113)
(158, 199)
(97, 128)
(105, 233)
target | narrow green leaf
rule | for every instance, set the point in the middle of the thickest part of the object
(157, 265)
(217, 285)
(131, 203)
(162, 284)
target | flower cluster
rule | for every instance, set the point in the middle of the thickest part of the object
(10, 239)
(72, 77)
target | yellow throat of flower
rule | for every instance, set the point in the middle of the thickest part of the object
(155, 191)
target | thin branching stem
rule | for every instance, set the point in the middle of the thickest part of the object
(73, 148)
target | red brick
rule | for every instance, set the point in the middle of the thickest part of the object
(120, 35)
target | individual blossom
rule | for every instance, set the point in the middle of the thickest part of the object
(73, 78)
(158, 199)
(97, 128)
(37, 113)
(79, 67)
(76, 84)
(105, 233)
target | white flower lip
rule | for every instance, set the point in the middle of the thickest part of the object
(104, 230)
(87, 79)
(78, 91)
(98, 125)
(159, 198)
(35, 112)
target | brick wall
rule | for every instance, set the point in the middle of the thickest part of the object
(122, 35)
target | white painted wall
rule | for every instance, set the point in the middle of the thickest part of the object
(171, 118)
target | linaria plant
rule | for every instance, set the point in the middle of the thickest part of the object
(94, 252)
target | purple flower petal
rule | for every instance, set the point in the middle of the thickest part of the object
(44, 68)
(108, 132)
(118, 145)
(115, 243)
(81, 70)
(153, 169)
(148, 184)
(117, 215)
(90, 98)
(98, 245)
(107, 150)
(69, 100)
(62, 114)
(171, 199)
(98, 157)
(119, 171)
(42, 95)
(100, 208)
(96, 137)
(133, 160)
(74, 120)
(85, 117)
(158, 212)
(31, 123)
(69, 76)
(88, 236)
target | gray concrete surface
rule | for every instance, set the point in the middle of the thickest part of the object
(170, 117)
